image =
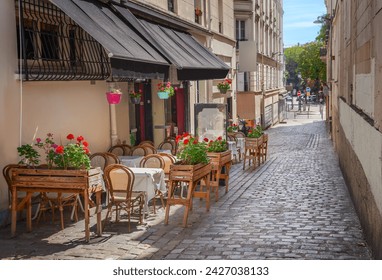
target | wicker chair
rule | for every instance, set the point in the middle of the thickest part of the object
(151, 143)
(111, 158)
(167, 145)
(139, 151)
(118, 150)
(119, 182)
(99, 160)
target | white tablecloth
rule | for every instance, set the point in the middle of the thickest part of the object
(164, 151)
(130, 161)
(149, 180)
(232, 147)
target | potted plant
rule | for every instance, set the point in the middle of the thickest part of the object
(253, 145)
(114, 96)
(135, 97)
(232, 128)
(165, 90)
(29, 156)
(224, 86)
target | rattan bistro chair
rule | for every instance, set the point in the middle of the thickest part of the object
(119, 181)
(139, 151)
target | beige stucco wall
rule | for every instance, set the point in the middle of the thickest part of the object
(9, 95)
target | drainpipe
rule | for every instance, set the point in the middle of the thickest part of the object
(209, 44)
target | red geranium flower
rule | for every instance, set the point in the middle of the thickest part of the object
(70, 136)
(60, 150)
(86, 144)
(205, 139)
(80, 138)
(195, 141)
(220, 138)
(185, 142)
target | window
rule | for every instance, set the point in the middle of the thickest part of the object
(49, 42)
(53, 47)
(171, 5)
(240, 32)
(220, 16)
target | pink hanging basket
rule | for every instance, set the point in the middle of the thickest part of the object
(113, 98)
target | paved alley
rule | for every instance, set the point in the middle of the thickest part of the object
(295, 206)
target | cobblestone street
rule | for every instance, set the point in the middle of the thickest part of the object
(295, 206)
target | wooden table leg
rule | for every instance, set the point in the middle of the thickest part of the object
(14, 211)
(99, 209)
(86, 206)
(188, 203)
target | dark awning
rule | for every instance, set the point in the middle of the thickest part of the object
(192, 60)
(130, 54)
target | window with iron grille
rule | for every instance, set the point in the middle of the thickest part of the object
(53, 47)
(171, 5)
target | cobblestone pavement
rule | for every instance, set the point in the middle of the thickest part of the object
(294, 206)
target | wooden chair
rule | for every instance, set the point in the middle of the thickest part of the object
(167, 145)
(149, 149)
(173, 141)
(119, 182)
(154, 161)
(127, 149)
(118, 150)
(112, 158)
(151, 143)
(99, 160)
(36, 197)
(139, 151)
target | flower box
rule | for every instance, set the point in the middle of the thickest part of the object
(135, 100)
(40, 179)
(252, 150)
(191, 175)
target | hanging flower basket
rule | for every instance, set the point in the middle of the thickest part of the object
(135, 100)
(113, 98)
(163, 94)
(223, 90)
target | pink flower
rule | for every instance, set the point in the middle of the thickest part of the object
(38, 140)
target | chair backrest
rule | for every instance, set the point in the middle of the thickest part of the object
(112, 158)
(152, 161)
(7, 173)
(167, 145)
(173, 141)
(149, 149)
(119, 181)
(139, 151)
(147, 142)
(99, 160)
(118, 150)
(127, 149)
(168, 161)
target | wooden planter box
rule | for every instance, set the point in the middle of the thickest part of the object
(193, 173)
(218, 161)
(61, 181)
(253, 147)
(190, 176)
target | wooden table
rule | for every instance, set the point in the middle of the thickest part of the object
(54, 180)
(191, 175)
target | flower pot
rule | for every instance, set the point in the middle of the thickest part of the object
(135, 100)
(218, 161)
(113, 98)
(223, 90)
(163, 95)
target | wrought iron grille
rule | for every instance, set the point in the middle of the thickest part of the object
(54, 47)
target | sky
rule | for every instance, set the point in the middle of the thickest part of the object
(299, 16)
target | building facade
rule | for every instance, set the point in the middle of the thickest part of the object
(56, 67)
(354, 63)
(259, 36)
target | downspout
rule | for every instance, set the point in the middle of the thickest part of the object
(209, 44)
(22, 53)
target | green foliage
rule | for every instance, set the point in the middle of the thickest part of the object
(190, 150)
(256, 132)
(29, 156)
(305, 59)
(216, 146)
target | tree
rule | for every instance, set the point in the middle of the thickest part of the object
(305, 60)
